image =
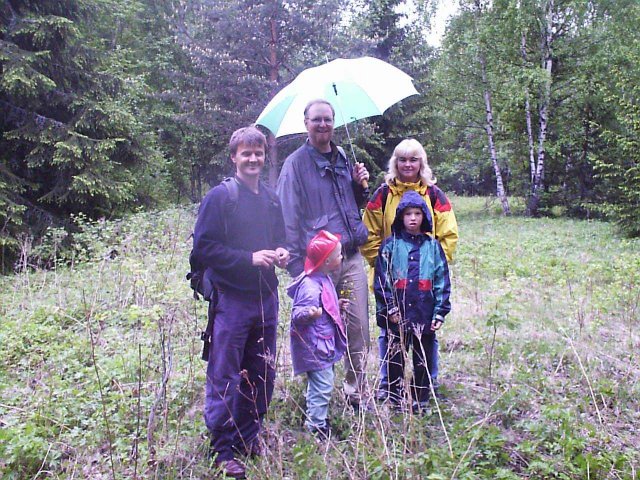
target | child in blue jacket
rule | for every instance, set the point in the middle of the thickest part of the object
(318, 337)
(412, 289)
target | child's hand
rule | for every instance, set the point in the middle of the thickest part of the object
(344, 303)
(314, 312)
(395, 318)
(435, 325)
(282, 257)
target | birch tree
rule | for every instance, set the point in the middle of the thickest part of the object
(546, 59)
(478, 12)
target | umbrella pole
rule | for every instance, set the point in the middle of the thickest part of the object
(353, 152)
(346, 127)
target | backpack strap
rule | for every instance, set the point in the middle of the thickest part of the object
(433, 197)
(233, 190)
(385, 194)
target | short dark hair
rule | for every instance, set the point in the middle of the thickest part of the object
(319, 101)
(250, 136)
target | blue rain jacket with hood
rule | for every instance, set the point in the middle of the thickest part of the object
(411, 273)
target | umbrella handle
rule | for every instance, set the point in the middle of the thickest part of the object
(364, 183)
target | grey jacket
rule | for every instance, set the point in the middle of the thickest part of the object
(316, 195)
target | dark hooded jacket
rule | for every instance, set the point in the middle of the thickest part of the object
(226, 236)
(411, 273)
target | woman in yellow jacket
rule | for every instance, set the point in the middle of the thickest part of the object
(408, 170)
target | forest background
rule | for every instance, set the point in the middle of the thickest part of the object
(113, 106)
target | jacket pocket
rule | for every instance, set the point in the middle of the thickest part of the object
(314, 225)
(360, 234)
(325, 340)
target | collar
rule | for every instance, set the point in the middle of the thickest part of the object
(398, 188)
(418, 239)
(323, 164)
(242, 184)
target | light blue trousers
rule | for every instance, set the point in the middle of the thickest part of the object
(319, 388)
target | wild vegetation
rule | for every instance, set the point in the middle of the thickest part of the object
(101, 377)
(112, 106)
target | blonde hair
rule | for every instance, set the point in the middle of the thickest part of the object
(410, 148)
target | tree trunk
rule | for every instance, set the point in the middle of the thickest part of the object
(274, 164)
(547, 64)
(274, 167)
(500, 192)
(527, 109)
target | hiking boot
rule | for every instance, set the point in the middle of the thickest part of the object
(382, 395)
(321, 433)
(421, 408)
(232, 468)
(256, 449)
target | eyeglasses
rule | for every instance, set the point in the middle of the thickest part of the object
(319, 120)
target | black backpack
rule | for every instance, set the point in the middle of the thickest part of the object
(198, 280)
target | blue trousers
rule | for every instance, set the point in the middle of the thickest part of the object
(240, 372)
(319, 388)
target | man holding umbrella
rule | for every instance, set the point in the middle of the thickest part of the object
(321, 190)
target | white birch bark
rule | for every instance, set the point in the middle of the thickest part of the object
(547, 65)
(527, 111)
(500, 192)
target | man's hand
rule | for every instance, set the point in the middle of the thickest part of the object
(263, 258)
(282, 257)
(314, 312)
(435, 325)
(360, 174)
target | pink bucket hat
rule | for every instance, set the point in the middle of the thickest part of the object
(319, 249)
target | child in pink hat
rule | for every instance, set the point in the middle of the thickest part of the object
(318, 338)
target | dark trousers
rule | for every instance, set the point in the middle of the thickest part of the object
(240, 372)
(424, 345)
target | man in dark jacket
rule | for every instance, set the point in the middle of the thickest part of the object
(321, 190)
(240, 242)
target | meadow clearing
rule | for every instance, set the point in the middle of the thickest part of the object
(101, 377)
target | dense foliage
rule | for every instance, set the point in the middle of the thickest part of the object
(75, 135)
(111, 105)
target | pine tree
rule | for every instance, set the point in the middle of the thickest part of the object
(73, 134)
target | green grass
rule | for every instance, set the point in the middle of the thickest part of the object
(100, 371)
